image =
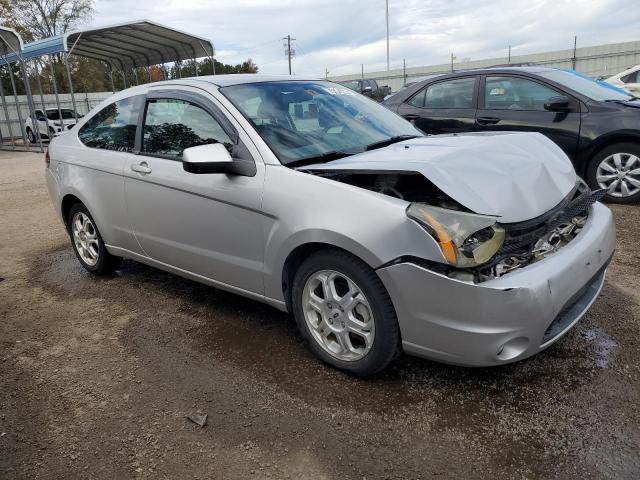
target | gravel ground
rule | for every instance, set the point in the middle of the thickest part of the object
(98, 375)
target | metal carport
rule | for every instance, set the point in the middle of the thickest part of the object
(126, 46)
(11, 47)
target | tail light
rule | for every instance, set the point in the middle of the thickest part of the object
(47, 158)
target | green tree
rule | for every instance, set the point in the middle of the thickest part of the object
(36, 19)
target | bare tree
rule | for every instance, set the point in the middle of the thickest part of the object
(36, 19)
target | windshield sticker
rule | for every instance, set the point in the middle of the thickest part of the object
(338, 91)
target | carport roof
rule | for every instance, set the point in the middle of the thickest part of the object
(10, 42)
(134, 44)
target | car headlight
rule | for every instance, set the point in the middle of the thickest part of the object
(466, 239)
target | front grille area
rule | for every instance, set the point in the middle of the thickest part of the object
(575, 307)
(520, 237)
(532, 240)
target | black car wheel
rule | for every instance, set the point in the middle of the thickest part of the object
(31, 136)
(616, 168)
(343, 310)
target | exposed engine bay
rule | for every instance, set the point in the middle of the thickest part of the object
(408, 186)
(525, 242)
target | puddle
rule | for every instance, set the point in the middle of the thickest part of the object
(603, 345)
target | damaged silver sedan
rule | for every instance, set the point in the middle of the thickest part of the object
(477, 249)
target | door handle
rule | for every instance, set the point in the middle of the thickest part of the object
(142, 167)
(411, 117)
(487, 120)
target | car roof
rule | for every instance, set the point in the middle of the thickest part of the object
(239, 79)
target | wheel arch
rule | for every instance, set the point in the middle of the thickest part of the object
(68, 201)
(605, 142)
(301, 251)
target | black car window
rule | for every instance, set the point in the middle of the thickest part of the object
(418, 99)
(633, 77)
(353, 85)
(516, 93)
(457, 93)
(171, 125)
(113, 127)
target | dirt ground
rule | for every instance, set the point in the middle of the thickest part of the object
(98, 375)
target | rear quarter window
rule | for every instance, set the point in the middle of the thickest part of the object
(113, 127)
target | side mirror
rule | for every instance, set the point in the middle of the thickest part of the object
(215, 158)
(558, 104)
(367, 90)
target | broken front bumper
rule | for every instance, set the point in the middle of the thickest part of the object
(508, 318)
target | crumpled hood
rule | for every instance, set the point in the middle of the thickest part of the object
(515, 176)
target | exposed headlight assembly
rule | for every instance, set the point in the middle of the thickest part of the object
(466, 239)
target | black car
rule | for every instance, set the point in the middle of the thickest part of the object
(596, 124)
(368, 88)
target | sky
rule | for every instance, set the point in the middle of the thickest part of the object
(341, 35)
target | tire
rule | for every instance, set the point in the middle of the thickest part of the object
(87, 242)
(603, 171)
(52, 132)
(31, 136)
(370, 306)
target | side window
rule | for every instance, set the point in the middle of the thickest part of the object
(113, 127)
(456, 93)
(515, 93)
(418, 100)
(171, 125)
(633, 77)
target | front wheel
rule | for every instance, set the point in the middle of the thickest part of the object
(616, 169)
(31, 136)
(345, 313)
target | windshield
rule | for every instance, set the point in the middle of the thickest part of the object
(586, 86)
(67, 114)
(305, 120)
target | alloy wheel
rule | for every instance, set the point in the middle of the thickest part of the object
(85, 238)
(619, 174)
(339, 316)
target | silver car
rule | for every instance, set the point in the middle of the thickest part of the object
(477, 249)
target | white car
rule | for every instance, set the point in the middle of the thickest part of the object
(629, 80)
(50, 124)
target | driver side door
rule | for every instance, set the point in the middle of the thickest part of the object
(210, 225)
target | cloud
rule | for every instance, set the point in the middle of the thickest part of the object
(342, 35)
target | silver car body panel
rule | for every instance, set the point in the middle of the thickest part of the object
(515, 176)
(462, 323)
(236, 233)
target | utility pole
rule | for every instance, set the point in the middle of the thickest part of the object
(575, 45)
(404, 70)
(509, 54)
(362, 71)
(326, 73)
(453, 57)
(387, 2)
(288, 51)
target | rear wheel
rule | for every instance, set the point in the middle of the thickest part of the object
(87, 242)
(345, 313)
(616, 169)
(31, 136)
